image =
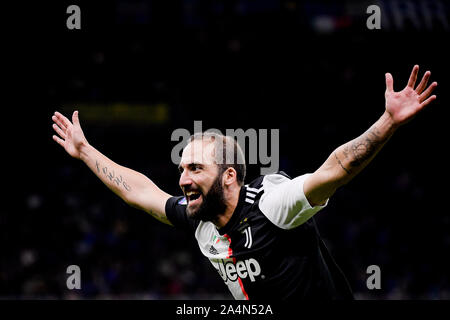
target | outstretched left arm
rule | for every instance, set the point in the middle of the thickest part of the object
(349, 159)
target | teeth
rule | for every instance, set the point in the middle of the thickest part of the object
(190, 193)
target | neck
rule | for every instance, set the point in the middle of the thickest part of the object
(231, 200)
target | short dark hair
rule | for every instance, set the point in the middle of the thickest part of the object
(225, 157)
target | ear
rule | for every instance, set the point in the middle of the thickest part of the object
(229, 176)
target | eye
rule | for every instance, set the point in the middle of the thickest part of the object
(195, 167)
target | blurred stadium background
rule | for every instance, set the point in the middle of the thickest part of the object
(137, 70)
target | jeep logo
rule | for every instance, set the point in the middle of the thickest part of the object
(242, 269)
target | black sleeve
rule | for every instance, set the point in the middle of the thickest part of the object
(176, 213)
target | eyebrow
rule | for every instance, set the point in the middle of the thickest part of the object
(190, 165)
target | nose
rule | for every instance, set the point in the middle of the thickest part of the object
(185, 180)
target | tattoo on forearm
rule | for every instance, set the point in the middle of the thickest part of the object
(340, 163)
(346, 151)
(118, 180)
(161, 218)
(361, 149)
(365, 147)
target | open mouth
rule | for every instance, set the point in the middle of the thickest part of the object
(193, 197)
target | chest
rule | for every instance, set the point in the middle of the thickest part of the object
(250, 237)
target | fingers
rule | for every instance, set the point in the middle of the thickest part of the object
(423, 83)
(65, 122)
(59, 123)
(389, 82)
(427, 92)
(427, 101)
(75, 119)
(58, 140)
(413, 77)
(58, 130)
(60, 126)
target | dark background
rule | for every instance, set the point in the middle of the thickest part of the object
(138, 70)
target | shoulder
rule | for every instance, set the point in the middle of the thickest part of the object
(272, 180)
(283, 201)
(267, 183)
(268, 180)
(263, 185)
(176, 213)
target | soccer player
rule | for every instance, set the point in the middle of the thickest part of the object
(261, 237)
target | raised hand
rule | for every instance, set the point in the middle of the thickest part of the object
(402, 106)
(71, 137)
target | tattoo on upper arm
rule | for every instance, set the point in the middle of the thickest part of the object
(118, 180)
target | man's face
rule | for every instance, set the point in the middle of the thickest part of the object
(200, 181)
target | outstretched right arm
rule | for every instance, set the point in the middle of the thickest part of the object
(133, 187)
